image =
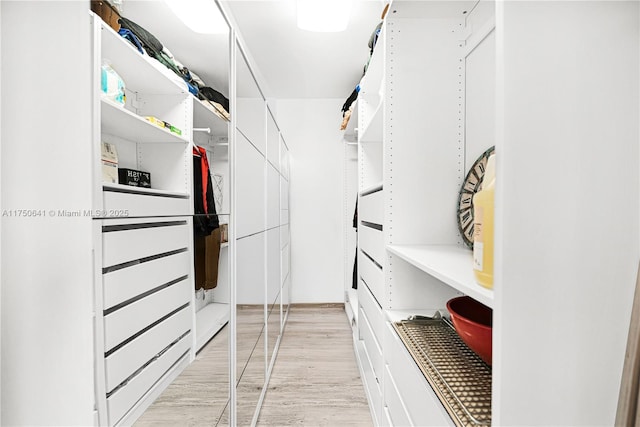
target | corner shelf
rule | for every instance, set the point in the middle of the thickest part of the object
(119, 121)
(451, 264)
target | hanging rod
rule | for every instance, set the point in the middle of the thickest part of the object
(206, 130)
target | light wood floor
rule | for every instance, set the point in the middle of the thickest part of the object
(315, 380)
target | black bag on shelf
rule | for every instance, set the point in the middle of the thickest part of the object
(150, 43)
(214, 96)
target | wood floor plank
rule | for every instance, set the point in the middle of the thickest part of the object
(315, 380)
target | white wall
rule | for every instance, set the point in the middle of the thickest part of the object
(311, 128)
(0, 215)
(47, 289)
(569, 254)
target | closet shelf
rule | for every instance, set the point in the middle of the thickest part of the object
(123, 123)
(140, 73)
(203, 117)
(372, 121)
(371, 97)
(451, 264)
(371, 189)
(400, 315)
(372, 80)
(143, 191)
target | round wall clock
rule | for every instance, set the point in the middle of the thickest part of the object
(470, 186)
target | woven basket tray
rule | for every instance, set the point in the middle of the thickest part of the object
(460, 379)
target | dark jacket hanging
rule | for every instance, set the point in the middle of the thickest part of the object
(206, 231)
(354, 283)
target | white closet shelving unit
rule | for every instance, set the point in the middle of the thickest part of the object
(351, 188)
(447, 81)
(212, 306)
(107, 313)
(145, 292)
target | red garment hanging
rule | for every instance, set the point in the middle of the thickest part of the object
(202, 153)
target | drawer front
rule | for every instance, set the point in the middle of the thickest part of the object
(371, 385)
(145, 204)
(371, 241)
(131, 319)
(371, 344)
(120, 244)
(395, 408)
(372, 276)
(423, 406)
(125, 398)
(371, 208)
(373, 312)
(127, 283)
(125, 361)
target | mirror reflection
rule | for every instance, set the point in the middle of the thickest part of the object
(274, 280)
(251, 241)
(201, 63)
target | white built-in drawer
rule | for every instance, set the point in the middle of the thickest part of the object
(372, 275)
(395, 409)
(371, 208)
(126, 283)
(423, 406)
(374, 350)
(131, 319)
(120, 245)
(124, 398)
(371, 241)
(373, 311)
(132, 204)
(122, 363)
(374, 392)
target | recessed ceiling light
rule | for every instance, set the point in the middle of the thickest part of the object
(202, 16)
(323, 15)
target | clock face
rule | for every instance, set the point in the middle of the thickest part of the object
(470, 186)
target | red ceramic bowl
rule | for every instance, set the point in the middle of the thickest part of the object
(473, 323)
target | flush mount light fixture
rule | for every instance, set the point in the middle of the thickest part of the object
(202, 16)
(323, 15)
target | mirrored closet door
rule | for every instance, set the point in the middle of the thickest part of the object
(200, 393)
(251, 240)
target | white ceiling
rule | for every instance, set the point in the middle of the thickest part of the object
(301, 64)
(293, 63)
